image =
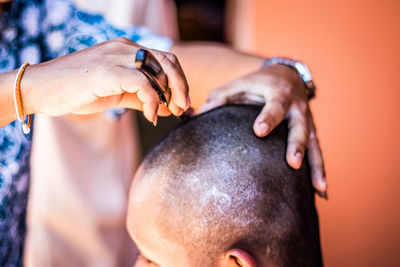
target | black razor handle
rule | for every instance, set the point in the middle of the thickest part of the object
(151, 68)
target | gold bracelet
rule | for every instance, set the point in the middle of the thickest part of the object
(26, 125)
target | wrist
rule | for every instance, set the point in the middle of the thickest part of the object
(8, 112)
(286, 78)
(28, 89)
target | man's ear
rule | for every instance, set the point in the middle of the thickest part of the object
(236, 258)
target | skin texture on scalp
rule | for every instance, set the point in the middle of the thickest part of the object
(222, 187)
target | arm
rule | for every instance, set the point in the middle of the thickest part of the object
(209, 65)
(93, 80)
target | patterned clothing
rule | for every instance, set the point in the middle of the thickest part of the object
(37, 31)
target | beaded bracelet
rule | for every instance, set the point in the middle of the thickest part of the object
(26, 124)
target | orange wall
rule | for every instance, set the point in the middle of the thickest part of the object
(353, 50)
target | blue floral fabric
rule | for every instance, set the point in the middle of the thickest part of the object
(37, 31)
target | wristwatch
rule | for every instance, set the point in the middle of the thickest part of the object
(298, 66)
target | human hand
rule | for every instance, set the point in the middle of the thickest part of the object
(99, 78)
(283, 94)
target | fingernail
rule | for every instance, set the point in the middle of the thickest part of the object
(297, 159)
(188, 102)
(323, 194)
(262, 128)
(322, 182)
(155, 120)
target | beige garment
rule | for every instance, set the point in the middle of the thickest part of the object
(157, 15)
(81, 171)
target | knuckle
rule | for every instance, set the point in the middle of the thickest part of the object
(303, 129)
(271, 120)
(317, 166)
(151, 95)
(313, 137)
(302, 106)
(103, 70)
(143, 96)
(122, 40)
(109, 60)
(213, 95)
(112, 45)
(299, 121)
(285, 87)
(301, 144)
(112, 76)
(299, 134)
(163, 59)
(296, 121)
(303, 134)
(298, 143)
(172, 57)
(107, 78)
(280, 105)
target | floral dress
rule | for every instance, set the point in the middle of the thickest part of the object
(37, 31)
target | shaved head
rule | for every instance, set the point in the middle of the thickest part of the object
(211, 185)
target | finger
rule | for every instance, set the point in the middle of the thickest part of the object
(177, 111)
(209, 105)
(129, 80)
(176, 79)
(99, 105)
(131, 101)
(228, 93)
(134, 81)
(271, 115)
(149, 98)
(163, 111)
(316, 162)
(297, 138)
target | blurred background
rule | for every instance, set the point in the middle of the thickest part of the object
(353, 51)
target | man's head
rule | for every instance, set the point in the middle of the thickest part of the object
(213, 194)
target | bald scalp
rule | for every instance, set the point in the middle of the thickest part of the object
(222, 187)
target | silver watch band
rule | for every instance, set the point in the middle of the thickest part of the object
(298, 66)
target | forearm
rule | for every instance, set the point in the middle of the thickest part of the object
(208, 65)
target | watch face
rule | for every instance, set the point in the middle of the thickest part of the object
(303, 71)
